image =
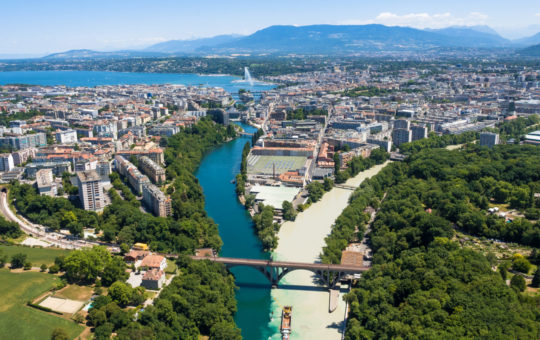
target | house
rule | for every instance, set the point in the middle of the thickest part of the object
(154, 262)
(153, 279)
(135, 255)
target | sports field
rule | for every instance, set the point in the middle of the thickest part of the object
(265, 164)
(37, 256)
(19, 321)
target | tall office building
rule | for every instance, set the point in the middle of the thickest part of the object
(489, 139)
(91, 190)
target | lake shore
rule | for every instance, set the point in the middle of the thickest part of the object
(302, 241)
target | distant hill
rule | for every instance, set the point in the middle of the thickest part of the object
(532, 40)
(190, 46)
(322, 39)
(481, 36)
(533, 51)
(90, 54)
(330, 39)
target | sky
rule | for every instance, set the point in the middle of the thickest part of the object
(38, 27)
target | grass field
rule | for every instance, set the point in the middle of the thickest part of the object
(75, 292)
(18, 321)
(37, 256)
(267, 164)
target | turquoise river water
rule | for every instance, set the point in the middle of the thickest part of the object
(215, 173)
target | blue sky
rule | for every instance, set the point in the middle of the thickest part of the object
(39, 27)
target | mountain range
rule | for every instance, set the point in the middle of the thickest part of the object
(322, 39)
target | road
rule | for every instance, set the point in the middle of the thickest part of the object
(44, 234)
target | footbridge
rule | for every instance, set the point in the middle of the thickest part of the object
(345, 186)
(274, 271)
(245, 134)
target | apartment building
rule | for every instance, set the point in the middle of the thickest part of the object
(153, 170)
(91, 191)
(24, 141)
(6, 162)
(400, 136)
(45, 182)
(489, 139)
(66, 137)
(156, 201)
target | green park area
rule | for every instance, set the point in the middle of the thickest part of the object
(37, 256)
(19, 321)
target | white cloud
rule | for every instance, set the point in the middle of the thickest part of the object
(422, 20)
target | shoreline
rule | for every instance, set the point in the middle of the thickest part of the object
(311, 318)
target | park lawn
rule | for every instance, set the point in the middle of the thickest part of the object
(75, 292)
(37, 256)
(19, 321)
(171, 267)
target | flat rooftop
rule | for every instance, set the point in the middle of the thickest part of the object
(274, 196)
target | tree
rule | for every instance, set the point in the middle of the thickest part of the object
(289, 214)
(27, 265)
(87, 264)
(121, 293)
(328, 184)
(115, 270)
(518, 283)
(520, 264)
(225, 331)
(536, 279)
(59, 334)
(315, 190)
(18, 260)
(54, 269)
(97, 317)
(104, 331)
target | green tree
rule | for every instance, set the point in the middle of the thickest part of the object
(104, 331)
(328, 184)
(18, 260)
(536, 279)
(97, 317)
(289, 214)
(225, 331)
(518, 283)
(520, 264)
(59, 334)
(121, 293)
(315, 190)
(114, 270)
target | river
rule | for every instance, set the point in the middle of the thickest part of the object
(215, 173)
(256, 301)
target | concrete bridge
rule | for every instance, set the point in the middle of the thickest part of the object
(274, 271)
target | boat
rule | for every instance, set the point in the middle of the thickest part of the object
(286, 318)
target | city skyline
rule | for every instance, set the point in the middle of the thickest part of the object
(61, 25)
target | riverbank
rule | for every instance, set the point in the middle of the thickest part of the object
(302, 241)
